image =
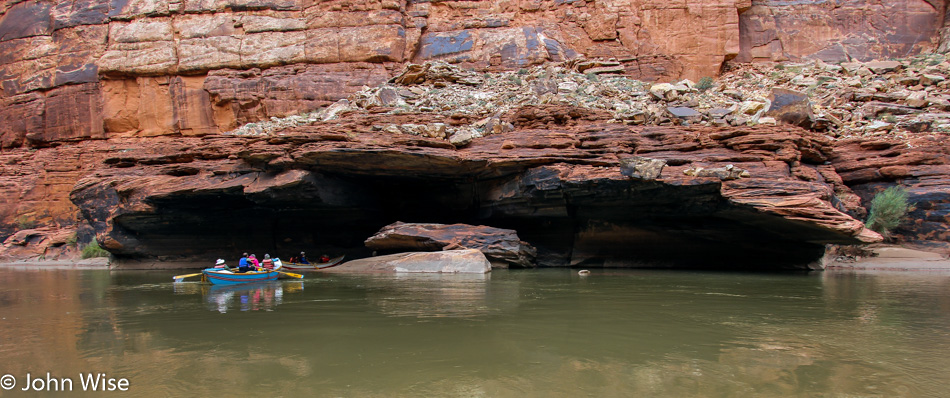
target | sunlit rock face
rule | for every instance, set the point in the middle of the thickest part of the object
(921, 164)
(838, 31)
(561, 188)
(80, 70)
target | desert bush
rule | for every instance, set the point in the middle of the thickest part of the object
(704, 84)
(25, 222)
(888, 209)
(93, 250)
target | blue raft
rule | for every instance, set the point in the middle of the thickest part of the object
(217, 277)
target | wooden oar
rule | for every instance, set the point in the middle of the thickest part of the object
(291, 274)
(180, 277)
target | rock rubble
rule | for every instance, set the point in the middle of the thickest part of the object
(883, 98)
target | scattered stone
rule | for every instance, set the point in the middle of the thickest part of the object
(882, 67)
(841, 100)
(931, 80)
(729, 172)
(720, 112)
(790, 107)
(750, 107)
(642, 168)
(663, 91)
(688, 114)
(917, 100)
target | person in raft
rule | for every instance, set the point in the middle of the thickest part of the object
(252, 259)
(267, 263)
(324, 258)
(244, 265)
(221, 265)
(303, 259)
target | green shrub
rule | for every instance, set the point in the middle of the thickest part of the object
(704, 84)
(25, 222)
(888, 209)
(93, 250)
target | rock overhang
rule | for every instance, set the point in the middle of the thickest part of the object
(560, 187)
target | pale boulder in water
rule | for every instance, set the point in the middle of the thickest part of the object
(469, 261)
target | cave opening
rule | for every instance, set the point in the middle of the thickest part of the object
(615, 224)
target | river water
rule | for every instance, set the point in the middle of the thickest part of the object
(537, 333)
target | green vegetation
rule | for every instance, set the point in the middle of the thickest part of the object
(888, 209)
(72, 240)
(704, 84)
(93, 250)
(25, 222)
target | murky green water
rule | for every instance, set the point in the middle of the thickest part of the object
(545, 333)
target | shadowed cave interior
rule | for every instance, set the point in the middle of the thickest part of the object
(613, 224)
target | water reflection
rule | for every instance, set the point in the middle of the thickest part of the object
(264, 296)
(434, 295)
(509, 334)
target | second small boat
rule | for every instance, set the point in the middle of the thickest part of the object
(305, 267)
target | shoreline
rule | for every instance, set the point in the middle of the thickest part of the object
(89, 263)
(881, 258)
(893, 258)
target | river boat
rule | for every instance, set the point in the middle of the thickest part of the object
(311, 267)
(222, 277)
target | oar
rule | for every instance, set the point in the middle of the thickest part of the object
(291, 274)
(180, 277)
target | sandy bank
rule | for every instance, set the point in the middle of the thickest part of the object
(99, 262)
(894, 258)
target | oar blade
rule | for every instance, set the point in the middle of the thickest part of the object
(179, 278)
(291, 274)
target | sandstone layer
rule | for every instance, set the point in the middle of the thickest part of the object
(78, 70)
(332, 184)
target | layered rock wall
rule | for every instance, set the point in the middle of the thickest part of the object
(90, 69)
(839, 30)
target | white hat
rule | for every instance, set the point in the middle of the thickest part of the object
(220, 261)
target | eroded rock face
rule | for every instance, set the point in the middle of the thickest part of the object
(91, 69)
(921, 164)
(502, 246)
(775, 30)
(560, 187)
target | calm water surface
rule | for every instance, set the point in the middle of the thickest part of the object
(543, 333)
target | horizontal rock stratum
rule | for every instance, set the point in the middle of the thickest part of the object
(75, 70)
(560, 187)
(225, 125)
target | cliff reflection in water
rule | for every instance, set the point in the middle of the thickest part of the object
(508, 334)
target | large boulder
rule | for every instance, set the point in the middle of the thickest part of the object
(469, 261)
(791, 107)
(642, 168)
(502, 246)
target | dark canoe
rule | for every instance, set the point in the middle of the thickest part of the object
(305, 267)
(228, 278)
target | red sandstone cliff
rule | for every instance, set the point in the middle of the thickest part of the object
(90, 69)
(74, 71)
